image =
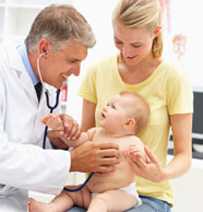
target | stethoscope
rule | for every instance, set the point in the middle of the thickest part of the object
(52, 108)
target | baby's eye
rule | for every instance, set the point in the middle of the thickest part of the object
(113, 106)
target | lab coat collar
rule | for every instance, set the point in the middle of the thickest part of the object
(22, 50)
(16, 64)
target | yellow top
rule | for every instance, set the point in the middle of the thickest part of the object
(167, 92)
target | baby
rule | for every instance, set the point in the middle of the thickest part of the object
(121, 119)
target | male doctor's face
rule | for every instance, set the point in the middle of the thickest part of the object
(61, 63)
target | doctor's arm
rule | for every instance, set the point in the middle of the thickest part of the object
(62, 127)
(56, 126)
(30, 167)
(21, 163)
(86, 151)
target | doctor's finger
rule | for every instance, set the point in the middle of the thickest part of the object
(74, 133)
(54, 134)
(105, 169)
(67, 127)
(67, 123)
(110, 161)
(108, 146)
(109, 153)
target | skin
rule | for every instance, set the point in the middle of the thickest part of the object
(136, 64)
(134, 45)
(105, 185)
(56, 65)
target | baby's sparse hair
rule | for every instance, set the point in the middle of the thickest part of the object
(138, 109)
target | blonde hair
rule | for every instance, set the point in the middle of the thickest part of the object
(139, 14)
(58, 23)
(138, 109)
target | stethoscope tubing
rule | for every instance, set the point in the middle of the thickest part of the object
(52, 107)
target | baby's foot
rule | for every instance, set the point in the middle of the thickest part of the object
(35, 206)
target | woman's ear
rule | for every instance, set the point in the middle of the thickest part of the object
(157, 30)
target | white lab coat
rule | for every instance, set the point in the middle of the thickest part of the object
(23, 165)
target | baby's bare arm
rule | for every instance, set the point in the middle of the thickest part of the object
(85, 136)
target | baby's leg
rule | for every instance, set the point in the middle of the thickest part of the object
(63, 202)
(58, 204)
(115, 200)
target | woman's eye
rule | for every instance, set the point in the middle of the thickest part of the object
(136, 46)
(118, 42)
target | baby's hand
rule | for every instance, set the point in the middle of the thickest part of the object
(53, 121)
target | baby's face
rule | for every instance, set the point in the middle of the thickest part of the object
(115, 114)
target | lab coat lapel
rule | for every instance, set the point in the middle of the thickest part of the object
(24, 79)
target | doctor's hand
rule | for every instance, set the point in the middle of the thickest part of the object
(149, 169)
(62, 128)
(95, 157)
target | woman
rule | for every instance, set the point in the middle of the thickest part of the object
(139, 68)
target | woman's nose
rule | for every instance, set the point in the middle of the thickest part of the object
(127, 51)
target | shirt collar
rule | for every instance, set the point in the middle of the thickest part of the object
(22, 50)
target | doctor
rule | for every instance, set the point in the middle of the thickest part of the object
(54, 48)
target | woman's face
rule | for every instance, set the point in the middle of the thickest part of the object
(134, 44)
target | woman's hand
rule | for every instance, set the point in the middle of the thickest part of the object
(148, 167)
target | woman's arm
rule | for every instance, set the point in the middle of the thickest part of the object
(88, 115)
(182, 136)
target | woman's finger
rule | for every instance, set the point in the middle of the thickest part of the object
(138, 159)
(151, 156)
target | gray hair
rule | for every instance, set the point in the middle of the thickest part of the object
(59, 23)
(139, 14)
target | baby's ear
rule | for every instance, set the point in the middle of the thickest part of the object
(131, 122)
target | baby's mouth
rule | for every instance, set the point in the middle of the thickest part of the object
(103, 115)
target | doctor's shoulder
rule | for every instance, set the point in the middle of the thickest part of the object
(9, 54)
